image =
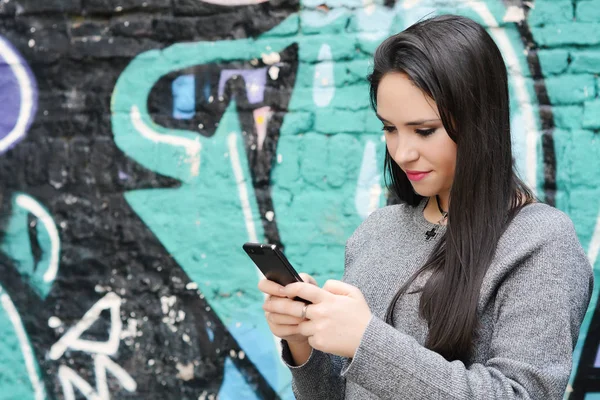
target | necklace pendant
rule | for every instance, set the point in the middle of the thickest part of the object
(430, 234)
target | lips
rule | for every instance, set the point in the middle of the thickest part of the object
(416, 175)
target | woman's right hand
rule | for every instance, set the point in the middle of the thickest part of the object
(284, 325)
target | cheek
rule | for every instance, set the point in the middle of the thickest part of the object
(446, 154)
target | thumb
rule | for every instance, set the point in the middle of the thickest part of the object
(340, 288)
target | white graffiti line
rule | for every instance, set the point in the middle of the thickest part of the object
(324, 79)
(245, 200)
(531, 131)
(233, 3)
(368, 188)
(27, 90)
(72, 340)
(192, 147)
(595, 243)
(15, 319)
(31, 205)
(241, 184)
(69, 380)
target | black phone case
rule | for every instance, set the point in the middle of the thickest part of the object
(273, 264)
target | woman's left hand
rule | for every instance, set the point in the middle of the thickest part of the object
(336, 320)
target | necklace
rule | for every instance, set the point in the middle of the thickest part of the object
(430, 234)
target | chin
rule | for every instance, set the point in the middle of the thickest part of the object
(425, 192)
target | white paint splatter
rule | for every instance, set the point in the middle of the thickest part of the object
(271, 58)
(274, 72)
(54, 322)
(186, 371)
(269, 215)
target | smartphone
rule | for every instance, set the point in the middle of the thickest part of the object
(273, 264)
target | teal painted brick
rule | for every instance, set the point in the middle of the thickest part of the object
(360, 68)
(553, 61)
(297, 122)
(352, 97)
(344, 73)
(337, 121)
(562, 141)
(302, 100)
(368, 44)
(568, 117)
(345, 158)
(351, 72)
(286, 171)
(550, 11)
(321, 22)
(342, 47)
(583, 159)
(557, 35)
(571, 89)
(591, 114)
(584, 216)
(587, 61)
(588, 11)
(313, 159)
(377, 20)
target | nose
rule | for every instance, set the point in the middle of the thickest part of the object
(406, 151)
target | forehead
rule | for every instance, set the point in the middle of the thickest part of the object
(398, 99)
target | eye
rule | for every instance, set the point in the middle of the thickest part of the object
(388, 128)
(425, 132)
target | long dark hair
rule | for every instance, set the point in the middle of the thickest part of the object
(455, 62)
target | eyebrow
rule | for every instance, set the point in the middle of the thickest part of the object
(411, 123)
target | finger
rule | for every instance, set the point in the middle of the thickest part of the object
(285, 306)
(307, 328)
(307, 278)
(269, 287)
(281, 331)
(282, 319)
(307, 291)
(339, 288)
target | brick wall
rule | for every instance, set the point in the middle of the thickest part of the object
(144, 141)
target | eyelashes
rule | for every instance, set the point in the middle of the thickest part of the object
(425, 132)
(421, 132)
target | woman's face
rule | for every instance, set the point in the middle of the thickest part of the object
(415, 136)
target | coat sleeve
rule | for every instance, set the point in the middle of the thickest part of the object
(318, 378)
(539, 309)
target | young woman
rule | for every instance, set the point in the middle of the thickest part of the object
(468, 288)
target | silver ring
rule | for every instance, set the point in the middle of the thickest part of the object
(304, 311)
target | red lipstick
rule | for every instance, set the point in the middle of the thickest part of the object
(416, 175)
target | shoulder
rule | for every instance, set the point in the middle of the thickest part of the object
(381, 220)
(540, 224)
(542, 239)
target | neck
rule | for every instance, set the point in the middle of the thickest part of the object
(444, 201)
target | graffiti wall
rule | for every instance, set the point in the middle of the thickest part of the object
(142, 142)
